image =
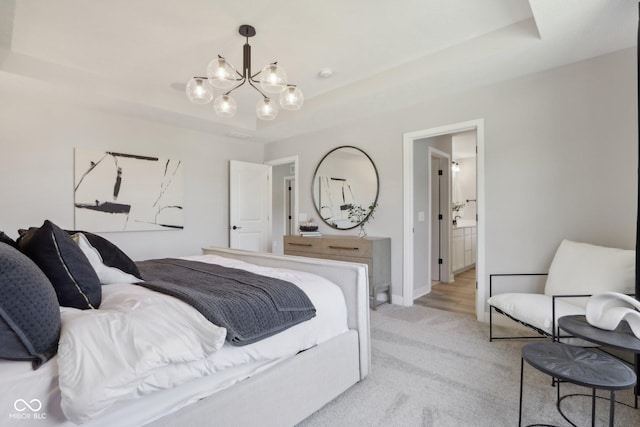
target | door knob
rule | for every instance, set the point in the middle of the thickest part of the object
(235, 227)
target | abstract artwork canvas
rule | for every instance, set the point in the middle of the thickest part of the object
(127, 192)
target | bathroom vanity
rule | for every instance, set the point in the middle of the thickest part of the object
(464, 242)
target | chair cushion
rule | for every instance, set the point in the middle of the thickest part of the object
(536, 310)
(582, 268)
(533, 309)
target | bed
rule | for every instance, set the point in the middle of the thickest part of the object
(278, 390)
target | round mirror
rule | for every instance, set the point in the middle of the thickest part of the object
(344, 187)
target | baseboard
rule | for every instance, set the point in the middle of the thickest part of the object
(421, 291)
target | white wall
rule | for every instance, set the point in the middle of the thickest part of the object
(38, 133)
(560, 160)
(422, 240)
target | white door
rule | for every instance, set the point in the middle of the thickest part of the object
(290, 203)
(249, 206)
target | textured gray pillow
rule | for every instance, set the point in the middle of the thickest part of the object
(29, 310)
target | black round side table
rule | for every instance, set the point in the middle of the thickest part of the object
(581, 366)
(621, 338)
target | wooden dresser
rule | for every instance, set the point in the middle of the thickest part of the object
(373, 251)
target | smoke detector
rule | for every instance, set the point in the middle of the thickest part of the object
(325, 73)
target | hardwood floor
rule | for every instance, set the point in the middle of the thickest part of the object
(458, 296)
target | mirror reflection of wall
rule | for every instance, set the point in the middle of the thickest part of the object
(464, 179)
(345, 177)
(335, 197)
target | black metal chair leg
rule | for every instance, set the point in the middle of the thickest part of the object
(521, 381)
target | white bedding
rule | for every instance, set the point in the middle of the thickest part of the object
(85, 398)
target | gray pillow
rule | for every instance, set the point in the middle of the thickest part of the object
(59, 257)
(29, 310)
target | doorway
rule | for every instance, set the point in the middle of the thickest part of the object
(458, 297)
(412, 145)
(284, 190)
(455, 289)
(290, 215)
(464, 198)
(439, 206)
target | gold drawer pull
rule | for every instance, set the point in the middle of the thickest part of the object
(344, 247)
(300, 244)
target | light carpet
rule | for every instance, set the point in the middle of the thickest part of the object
(436, 368)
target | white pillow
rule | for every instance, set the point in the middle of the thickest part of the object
(536, 310)
(106, 274)
(582, 268)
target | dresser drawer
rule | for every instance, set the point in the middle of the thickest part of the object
(302, 244)
(348, 247)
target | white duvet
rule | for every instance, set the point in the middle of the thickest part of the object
(141, 341)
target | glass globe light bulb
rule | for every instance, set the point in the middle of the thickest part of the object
(221, 74)
(198, 91)
(225, 106)
(273, 78)
(266, 109)
(291, 98)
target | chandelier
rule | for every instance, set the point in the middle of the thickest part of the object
(272, 79)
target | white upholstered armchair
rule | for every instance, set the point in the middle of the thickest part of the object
(578, 270)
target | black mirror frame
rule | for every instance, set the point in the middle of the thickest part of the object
(315, 172)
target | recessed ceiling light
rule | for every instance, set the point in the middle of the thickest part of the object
(325, 73)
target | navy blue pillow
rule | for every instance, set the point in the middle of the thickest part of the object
(59, 257)
(29, 310)
(8, 240)
(111, 255)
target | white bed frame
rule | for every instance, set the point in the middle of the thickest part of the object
(292, 390)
